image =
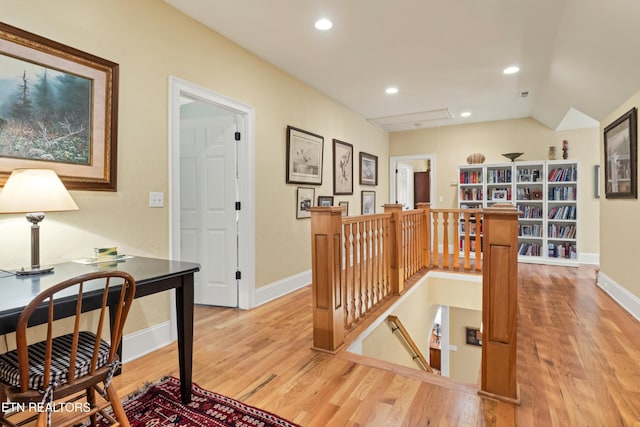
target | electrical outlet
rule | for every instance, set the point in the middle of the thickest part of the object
(156, 199)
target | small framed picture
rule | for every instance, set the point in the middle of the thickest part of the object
(345, 208)
(368, 202)
(499, 195)
(304, 202)
(536, 195)
(342, 167)
(474, 336)
(324, 201)
(526, 230)
(368, 169)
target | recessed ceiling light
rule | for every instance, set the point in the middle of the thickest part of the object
(465, 114)
(511, 70)
(391, 90)
(323, 24)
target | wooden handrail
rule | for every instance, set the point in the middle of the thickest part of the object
(407, 338)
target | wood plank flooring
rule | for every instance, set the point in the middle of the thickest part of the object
(578, 365)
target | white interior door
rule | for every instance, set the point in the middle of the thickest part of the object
(208, 193)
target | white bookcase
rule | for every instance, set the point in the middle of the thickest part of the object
(546, 194)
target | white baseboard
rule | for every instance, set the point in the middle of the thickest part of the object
(621, 295)
(282, 287)
(144, 341)
(589, 258)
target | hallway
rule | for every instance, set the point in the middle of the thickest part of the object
(578, 364)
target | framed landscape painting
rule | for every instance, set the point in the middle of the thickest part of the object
(304, 157)
(59, 111)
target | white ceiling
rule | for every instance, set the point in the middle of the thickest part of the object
(578, 58)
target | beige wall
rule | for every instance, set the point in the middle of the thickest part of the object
(466, 360)
(618, 223)
(152, 41)
(452, 144)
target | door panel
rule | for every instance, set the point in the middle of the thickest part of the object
(208, 216)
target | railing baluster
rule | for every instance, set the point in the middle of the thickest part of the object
(436, 254)
(478, 241)
(348, 315)
(467, 241)
(445, 240)
(363, 284)
(456, 240)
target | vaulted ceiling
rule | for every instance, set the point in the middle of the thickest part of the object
(578, 59)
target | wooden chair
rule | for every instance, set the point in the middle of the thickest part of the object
(73, 365)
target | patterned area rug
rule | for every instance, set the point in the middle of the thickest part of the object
(159, 405)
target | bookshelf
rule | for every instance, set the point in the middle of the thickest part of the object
(546, 194)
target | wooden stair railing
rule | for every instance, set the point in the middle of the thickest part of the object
(407, 338)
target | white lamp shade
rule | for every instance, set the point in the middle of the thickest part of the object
(35, 190)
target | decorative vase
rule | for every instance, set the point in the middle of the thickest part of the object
(553, 155)
(475, 158)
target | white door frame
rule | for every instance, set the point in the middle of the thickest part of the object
(246, 182)
(432, 176)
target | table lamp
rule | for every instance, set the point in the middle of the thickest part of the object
(35, 191)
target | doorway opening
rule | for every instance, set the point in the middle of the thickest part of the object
(211, 186)
(412, 179)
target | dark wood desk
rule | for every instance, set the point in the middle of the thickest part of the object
(151, 275)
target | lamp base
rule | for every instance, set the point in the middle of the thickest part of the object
(30, 271)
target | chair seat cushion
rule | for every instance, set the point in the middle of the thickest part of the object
(10, 374)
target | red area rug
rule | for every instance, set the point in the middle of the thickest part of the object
(159, 405)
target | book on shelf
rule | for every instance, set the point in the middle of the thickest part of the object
(563, 174)
(562, 250)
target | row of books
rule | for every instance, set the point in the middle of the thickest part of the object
(562, 193)
(562, 250)
(498, 176)
(470, 177)
(564, 174)
(530, 212)
(529, 249)
(562, 231)
(529, 175)
(562, 212)
(471, 193)
(530, 230)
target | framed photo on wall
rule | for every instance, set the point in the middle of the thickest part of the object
(61, 111)
(368, 169)
(474, 336)
(325, 200)
(368, 202)
(304, 157)
(342, 167)
(345, 208)
(304, 202)
(621, 157)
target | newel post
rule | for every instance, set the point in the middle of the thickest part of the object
(499, 303)
(426, 245)
(326, 267)
(396, 269)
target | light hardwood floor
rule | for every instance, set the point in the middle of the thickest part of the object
(578, 365)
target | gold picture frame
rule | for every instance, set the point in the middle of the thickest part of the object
(62, 112)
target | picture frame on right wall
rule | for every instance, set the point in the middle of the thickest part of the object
(621, 157)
